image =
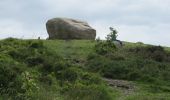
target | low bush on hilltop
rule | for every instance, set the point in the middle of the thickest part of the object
(104, 48)
(156, 53)
(144, 64)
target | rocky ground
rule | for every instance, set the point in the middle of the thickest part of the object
(125, 87)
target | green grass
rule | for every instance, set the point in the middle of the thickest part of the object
(72, 69)
(149, 92)
(73, 48)
(149, 96)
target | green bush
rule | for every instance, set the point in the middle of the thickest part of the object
(47, 79)
(136, 69)
(37, 44)
(112, 36)
(28, 84)
(157, 88)
(33, 61)
(93, 92)
(104, 48)
(9, 77)
(89, 79)
(69, 75)
(156, 53)
(116, 56)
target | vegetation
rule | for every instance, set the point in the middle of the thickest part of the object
(28, 66)
(113, 35)
(74, 70)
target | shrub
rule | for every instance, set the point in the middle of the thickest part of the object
(69, 75)
(9, 77)
(37, 44)
(134, 76)
(156, 53)
(104, 48)
(47, 79)
(140, 43)
(136, 69)
(158, 88)
(159, 56)
(116, 56)
(112, 35)
(155, 48)
(92, 92)
(89, 79)
(33, 61)
(115, 70)
(107, 67)
(51, 62)
(107, 47)
(96, 62)
(29, 84)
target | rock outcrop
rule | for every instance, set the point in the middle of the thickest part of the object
(65, 28)
(118, 43)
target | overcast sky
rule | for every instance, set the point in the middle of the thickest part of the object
(147, 21)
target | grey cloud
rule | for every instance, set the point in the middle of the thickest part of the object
(148, 19)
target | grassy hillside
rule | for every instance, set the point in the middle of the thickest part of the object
(82, 70)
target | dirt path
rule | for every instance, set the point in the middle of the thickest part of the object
(126, 87)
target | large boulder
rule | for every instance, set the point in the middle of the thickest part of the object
(118, 43)
(65, 28)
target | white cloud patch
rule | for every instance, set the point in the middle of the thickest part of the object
(136, 20)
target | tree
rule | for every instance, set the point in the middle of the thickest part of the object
(112, 35)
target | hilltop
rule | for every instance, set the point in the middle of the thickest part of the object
(83, 70)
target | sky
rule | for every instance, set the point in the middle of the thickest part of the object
(146, 21)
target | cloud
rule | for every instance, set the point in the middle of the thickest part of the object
(136, 20)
